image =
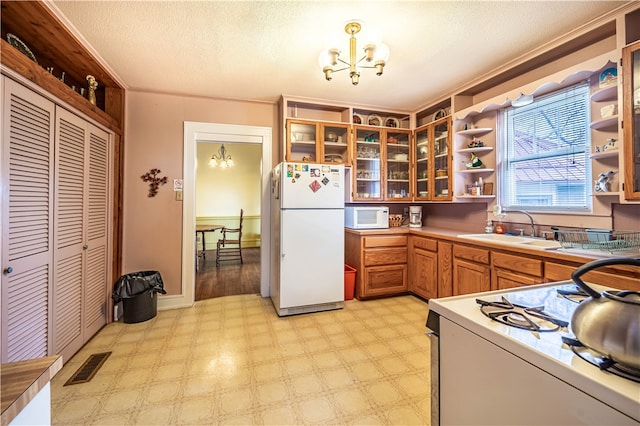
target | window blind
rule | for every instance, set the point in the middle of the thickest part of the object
(544, 161)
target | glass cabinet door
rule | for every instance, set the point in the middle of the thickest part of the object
(367, 170)
(421, 154)
(335, 144)
(302, 141)
(398, 157)
(631, 128)
(441, 159)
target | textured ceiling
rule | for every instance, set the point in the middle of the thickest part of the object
(258, 50)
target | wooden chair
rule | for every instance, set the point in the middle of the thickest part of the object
(230, 246)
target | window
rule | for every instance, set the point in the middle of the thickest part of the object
(544, 163)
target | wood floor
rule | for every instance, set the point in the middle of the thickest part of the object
(230, 278)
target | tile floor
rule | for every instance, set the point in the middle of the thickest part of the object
(232, 360)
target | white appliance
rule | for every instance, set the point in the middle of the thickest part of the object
(415, 216)
(307, 238)
(366, 217)
(488, 372)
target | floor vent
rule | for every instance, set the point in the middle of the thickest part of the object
(88, 369)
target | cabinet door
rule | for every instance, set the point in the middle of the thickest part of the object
(470, 277)
(442, 160)
(424, 279)
(335, 140)
(302, 141)
(367, 169)
(397, 157)
(70, 213)
(81, 274)
(631, 111)
(504, 279)
(27, 229)
(422, 169)
(98, 274)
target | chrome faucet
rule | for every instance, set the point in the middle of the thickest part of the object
(533, 229)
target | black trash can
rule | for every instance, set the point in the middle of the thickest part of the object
(139, 294)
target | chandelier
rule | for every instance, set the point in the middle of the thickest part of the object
(375, 56)
(222, 159)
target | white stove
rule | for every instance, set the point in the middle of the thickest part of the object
(487, 372)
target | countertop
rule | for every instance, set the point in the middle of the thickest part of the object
(21, 381)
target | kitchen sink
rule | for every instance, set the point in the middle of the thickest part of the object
(514, 241)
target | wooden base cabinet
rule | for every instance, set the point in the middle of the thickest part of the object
(381, 264)
(423, 266)
(471, 270)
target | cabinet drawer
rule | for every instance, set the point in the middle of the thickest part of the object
(473, 254)
(560, 272)
(385, 280)
(385, 241)
(425, 243)
(518, 264)
(385, 256)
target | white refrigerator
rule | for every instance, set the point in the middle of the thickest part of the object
(307, 238)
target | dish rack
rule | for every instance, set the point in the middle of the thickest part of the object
(600, 240)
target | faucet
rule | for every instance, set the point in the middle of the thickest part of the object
(533, 229)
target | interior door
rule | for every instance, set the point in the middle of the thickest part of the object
(27, 231)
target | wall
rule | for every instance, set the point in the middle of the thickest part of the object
(152, 232)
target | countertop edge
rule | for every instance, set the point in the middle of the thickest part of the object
(22, 380)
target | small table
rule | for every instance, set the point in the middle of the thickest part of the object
(206, 228)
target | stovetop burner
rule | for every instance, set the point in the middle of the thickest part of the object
(603, 362)
(528, 318)
(575, 294)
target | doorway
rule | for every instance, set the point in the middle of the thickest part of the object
(195, 132)
(221, 192)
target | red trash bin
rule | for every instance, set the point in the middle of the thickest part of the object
(349, 282)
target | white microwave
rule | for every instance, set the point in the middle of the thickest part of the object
(366, 217)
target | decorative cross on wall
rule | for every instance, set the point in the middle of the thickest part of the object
(154, 181)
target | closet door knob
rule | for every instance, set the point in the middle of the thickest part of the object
(84, 247)
(8, 270)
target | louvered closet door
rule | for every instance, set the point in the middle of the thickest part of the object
(97, 279)
(69, 234)
(27, 232)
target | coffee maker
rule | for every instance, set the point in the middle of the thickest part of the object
(415, 216)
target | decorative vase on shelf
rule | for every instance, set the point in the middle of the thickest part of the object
(93, 85)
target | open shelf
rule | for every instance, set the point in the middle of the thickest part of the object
(466, 196)
(479, 149)
(479, 170)
(605, 154)
(607, 94)
(609, 123)
(475, 132)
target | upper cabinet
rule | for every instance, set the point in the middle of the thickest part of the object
(631, 116)
(318, 142)
(432, 153)
(323, 132)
